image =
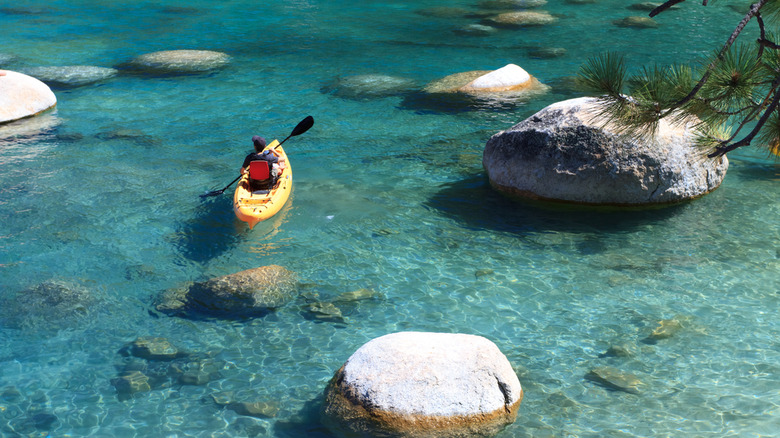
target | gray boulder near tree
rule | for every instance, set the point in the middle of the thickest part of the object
(566, 152)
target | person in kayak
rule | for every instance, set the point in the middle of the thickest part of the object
(259, 155)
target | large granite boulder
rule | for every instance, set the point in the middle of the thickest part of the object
(510, 80)
(71, 75)
(413, 384)
(178, 62)
(565, 152)
(253, 292)
(23, 96)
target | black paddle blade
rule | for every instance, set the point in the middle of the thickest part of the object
(212, 193)
(303, 126)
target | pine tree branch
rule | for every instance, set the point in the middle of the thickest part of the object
(666, 5)
(754, 9)
(722, 150)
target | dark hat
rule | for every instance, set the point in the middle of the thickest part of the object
(258, 141)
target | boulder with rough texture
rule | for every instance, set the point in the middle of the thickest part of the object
(71, 75)
(511, 4)
(178, 61)
(523, 19)
(636, 22)
(23, 96)
(565, 152)
(413, 384)
(244, 294)
(52, 304)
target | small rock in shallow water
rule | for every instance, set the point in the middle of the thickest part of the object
(636, 22)
(71, 75)
(324, 312)
(615, 379)
(178, 62)
(152, 349)
(255, 409)
(476, 30)
(547, 52)
(131, 382)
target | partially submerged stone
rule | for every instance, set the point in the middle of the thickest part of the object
(23, 96)
(260, 409)
(253, 292)
(636, 22)
(510, 80)
(566, 153)
(71, 75)
(415, 384)
(52, 304)
(369, 86)
(511, 4)
(547, 52)
(615, 379)
(523, 19)
(476, 30)
(178, 61)
(131, 382)
(153, 348)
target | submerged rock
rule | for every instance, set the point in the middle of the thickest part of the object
(547, 52)
(260, 409)
(23, 96)
(666, 329)
(636, 22)
(53, 304)
(152, 348)
(613, 378)
(324, 311)
(178, 61)
(131, 382)
(249, 293)
(443, 12)
(414, 384)
(566, 153)
(476, 30)
(71, 75)
(511, 4)
(523, 19)
(369, 86)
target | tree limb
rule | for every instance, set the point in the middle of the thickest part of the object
(666, 5)
(723, 150)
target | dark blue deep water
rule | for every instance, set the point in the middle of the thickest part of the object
(390, 196)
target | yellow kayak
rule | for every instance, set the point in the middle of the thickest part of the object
(253, 207)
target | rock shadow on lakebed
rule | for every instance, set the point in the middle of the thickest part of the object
(473, 202)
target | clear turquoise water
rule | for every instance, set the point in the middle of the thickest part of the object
(389, 196)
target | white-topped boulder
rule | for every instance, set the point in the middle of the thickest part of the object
(23, 96)
(567, 153)
(509, 77)
(415, 384)
(508, 80)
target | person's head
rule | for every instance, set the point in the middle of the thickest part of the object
(259, 143)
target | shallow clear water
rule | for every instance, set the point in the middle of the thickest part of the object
(389, 196)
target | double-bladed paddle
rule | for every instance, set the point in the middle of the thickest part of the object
(299, 129)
